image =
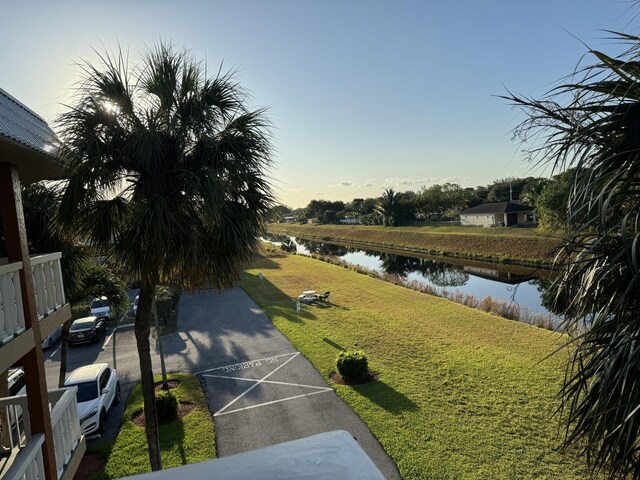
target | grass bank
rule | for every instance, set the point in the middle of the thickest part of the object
(525, 245)
(187, 440)
(461, 394)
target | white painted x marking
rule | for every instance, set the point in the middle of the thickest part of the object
(224, 411)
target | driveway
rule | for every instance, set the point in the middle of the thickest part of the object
(262, 391)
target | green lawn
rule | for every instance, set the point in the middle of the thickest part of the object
(188, 440)
(461, 395)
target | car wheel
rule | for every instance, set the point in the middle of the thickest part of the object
(101, 426)
(118, 394)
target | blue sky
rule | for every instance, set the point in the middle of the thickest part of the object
(364, 95)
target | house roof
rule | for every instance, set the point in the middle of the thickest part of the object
(497, 207)
(26, 140)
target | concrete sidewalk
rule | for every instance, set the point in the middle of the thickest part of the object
(260, 390)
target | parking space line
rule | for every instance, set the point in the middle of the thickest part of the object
(256, 384)
(55, 351)
(250, 363)
(269, 381)
(106, 342)
(271, 402)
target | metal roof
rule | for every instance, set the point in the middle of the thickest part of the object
(497, 207)
(24, 126)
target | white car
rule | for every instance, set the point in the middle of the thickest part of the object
(53, 337)
(100, 307)
(98, 391)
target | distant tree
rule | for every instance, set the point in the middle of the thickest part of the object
(389, 207)
(276, 213)
(329, 216)
(437, 200)
(316, 208)
(357, 204)
(369, 206)
(532, 190)
(503, 189)
(552, 203)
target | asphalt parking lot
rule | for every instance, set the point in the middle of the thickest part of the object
(260, 390)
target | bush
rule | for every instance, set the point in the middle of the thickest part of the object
(79, 311)
(166, 405)
(352, 365)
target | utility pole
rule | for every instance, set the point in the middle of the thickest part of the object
(510, 193)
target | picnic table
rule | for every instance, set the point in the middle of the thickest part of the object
(310, 296)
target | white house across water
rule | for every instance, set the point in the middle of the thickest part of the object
(499, 214)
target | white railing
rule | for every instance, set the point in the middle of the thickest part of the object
(14, 421)
(47, 280)
(66, 426)
(28, 464)
(11, 312)
(64, 422)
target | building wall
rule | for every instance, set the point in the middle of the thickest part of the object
(478, 220)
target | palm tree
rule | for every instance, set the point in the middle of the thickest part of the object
(593, 125)
(389, 207)
(166, 178)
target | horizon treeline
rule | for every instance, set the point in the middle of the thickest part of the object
(438, 203)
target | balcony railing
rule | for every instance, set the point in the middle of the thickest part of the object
(67, 435)
(28, 465)
(48, 286)
(11, 313)
(47, 279)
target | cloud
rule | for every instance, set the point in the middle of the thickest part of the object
(343, 183)
(406, 182)
(456, 179)
(364, 185)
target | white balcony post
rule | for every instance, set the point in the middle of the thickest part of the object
(66, 426)
(11, 313)
(49, 288)
(29, 464)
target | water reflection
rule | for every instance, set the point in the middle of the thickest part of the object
(501, 282)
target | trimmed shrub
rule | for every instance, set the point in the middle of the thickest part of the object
(352, 364)
(166, 405)
(79, 311)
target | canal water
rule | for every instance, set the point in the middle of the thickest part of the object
(524, 286)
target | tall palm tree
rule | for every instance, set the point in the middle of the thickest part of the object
(593, 125)
(167, 178)
(389, 206)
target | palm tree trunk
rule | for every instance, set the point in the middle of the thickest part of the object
(64, 348)
(142, 331)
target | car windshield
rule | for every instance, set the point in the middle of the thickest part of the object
(76, 326)
(86, 391)
(97, 303)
